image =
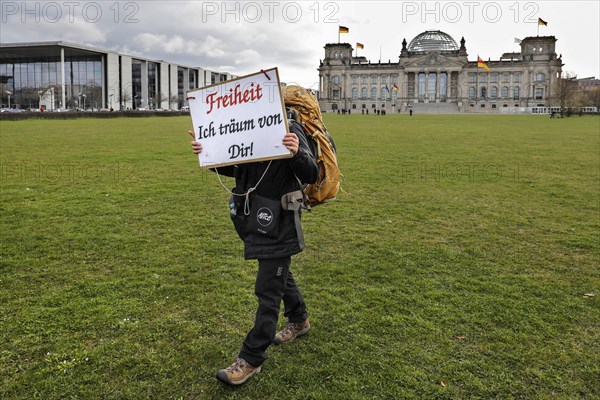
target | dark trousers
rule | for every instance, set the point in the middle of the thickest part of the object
(274, 282)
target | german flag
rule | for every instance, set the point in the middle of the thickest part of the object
(395, 87)
(343, 29)
(542, 22)
(481, 64)
(360, 45)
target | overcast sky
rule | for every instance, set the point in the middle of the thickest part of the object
(243, 37)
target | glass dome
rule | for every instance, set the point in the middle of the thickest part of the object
(433, 41)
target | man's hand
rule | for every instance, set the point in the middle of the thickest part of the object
(291, 142)
(196, 146)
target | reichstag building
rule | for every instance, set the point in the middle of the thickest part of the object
(433, 75)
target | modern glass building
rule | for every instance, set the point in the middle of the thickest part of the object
(61, 75)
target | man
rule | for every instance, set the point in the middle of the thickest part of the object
(274, 281)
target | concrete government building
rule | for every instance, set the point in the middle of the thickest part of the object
(63, 75)
(434, 75)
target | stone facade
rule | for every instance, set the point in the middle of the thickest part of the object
(433, 74)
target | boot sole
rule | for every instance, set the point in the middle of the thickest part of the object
(222, 376)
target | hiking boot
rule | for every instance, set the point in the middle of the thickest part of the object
(291, 331)
(239, 372)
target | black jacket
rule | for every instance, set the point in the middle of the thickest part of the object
(278, 180)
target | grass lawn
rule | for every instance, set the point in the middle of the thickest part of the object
(460, 263)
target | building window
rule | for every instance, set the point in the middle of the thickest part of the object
(336, 94)
(432, 86)
(493, 93)
(540, 77)
(483, 77)
(335, 80)
(394, 78)
(136, 83)
(539, 93)
(334, 106)
(505, 77)
(516, 92)
(354, 106)
(484, 93)
(373, 93)
(443, 86)
(394, 96)
(505, 92)
(373, 78)
(384, 93)
(494, 77)
(421, 87)
(517, 77)
(471, 92)
(354, 79)
(384, 78)
(354, 93)
(364, 79)
(472, 78)
(364, 93)
(153, 85)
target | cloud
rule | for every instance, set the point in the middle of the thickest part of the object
(247, 56)
(209, 46)
(78, 31)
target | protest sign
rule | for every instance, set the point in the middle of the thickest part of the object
(239, 121)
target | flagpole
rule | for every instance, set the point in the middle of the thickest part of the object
(538, 28)
(476, 84)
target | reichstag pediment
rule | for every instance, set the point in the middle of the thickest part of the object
(434, 60)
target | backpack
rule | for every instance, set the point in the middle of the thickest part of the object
(308, 114)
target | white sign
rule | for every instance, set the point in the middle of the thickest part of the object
(239, 121)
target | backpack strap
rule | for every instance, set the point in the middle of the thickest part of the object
(294, 201)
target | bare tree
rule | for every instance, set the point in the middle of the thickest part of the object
(174, 99)
(125, 98)
(594, 98)
(160, 98)
(565, 90)
(94, 96)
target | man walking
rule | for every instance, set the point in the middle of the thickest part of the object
(266, 184)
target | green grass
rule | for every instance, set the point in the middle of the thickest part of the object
(455, 266)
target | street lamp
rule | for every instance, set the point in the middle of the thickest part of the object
(8, 92)
(110, 96)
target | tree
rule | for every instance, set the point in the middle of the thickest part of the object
(594, 98)
(94, 96)
(565, 90)
(125, 98)
(161, 98)
(174, 99)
